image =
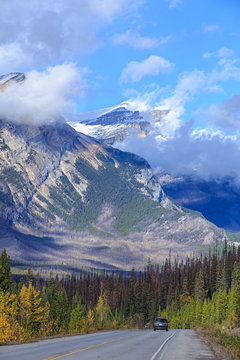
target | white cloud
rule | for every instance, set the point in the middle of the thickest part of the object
(174, 3)
(192, 83)
(205, 154)
(154, 65)
(189, 84)
(221, 53)
(226, 115)
(211, 28)
(42, 97)
(146, 101)
(181, 149)
(134, 39)
(46, 32)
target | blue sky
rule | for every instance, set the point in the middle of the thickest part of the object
(82, 55)
(103, 37)
(182, 34)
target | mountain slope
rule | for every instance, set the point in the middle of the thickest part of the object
(217, 199)
(67, 199)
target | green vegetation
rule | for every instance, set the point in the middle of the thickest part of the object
(5, 271)
(138, 211)
(201, 293)
(48, 214)
(95, 231)
(108, 184)
(31, 157)
(13, 177)
(234, 236)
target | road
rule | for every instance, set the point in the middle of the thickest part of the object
(114, 345)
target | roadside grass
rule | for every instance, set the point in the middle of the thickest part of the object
(228, 339)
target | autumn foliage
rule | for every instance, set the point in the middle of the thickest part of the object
(201, 291)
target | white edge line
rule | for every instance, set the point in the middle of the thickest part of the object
(158, 351)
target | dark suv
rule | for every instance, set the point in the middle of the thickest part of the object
(160, 324)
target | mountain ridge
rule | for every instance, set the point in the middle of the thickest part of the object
(96, 203)
(217, 199)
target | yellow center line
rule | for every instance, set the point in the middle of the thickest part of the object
(91, 347)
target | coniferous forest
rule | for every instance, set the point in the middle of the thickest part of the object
(202, 291)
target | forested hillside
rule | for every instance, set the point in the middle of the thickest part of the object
(199, 292)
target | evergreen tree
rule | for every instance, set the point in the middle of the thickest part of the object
(5, 271)
(62, 310)
(77, 321)
(205, 313)
(199, 287)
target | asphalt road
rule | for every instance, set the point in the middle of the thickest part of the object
(114, 345)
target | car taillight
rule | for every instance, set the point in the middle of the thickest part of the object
(154, 324)
(166, 323)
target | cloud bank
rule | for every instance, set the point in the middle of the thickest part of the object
(225, 115)
(204, 154)
(40, 33)
(42, 97)
(181, 149)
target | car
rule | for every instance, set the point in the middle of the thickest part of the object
(160, 324)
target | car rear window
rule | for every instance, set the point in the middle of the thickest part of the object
(160, 320)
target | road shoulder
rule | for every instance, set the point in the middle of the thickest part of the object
(186, 344)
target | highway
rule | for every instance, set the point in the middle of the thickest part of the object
(114, 345)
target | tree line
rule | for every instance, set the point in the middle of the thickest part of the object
(199, 291)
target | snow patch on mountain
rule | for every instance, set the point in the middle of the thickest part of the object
(12, 76)
(115, 123)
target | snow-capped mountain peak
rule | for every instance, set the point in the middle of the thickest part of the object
(115, 123)
(18, 77)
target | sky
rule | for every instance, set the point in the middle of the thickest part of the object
(82, 55)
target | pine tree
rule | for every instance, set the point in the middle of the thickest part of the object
(221, 305)
(5, 271)
(62, 310)
(77, 321)
(205, 313)
(199, 287)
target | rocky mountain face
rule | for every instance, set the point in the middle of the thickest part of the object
(217, 199)
(68, 200)
(115, 124)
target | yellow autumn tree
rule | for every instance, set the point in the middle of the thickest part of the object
(102, 310)
(90, 319)
(30, 310)
(47, 324)
(9, 327)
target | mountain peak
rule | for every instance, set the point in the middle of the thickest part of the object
(13, 76)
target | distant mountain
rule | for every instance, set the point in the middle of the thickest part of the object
(218, 200)
(116, 123)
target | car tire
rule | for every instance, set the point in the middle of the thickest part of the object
(154, 329)
(166, 329)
